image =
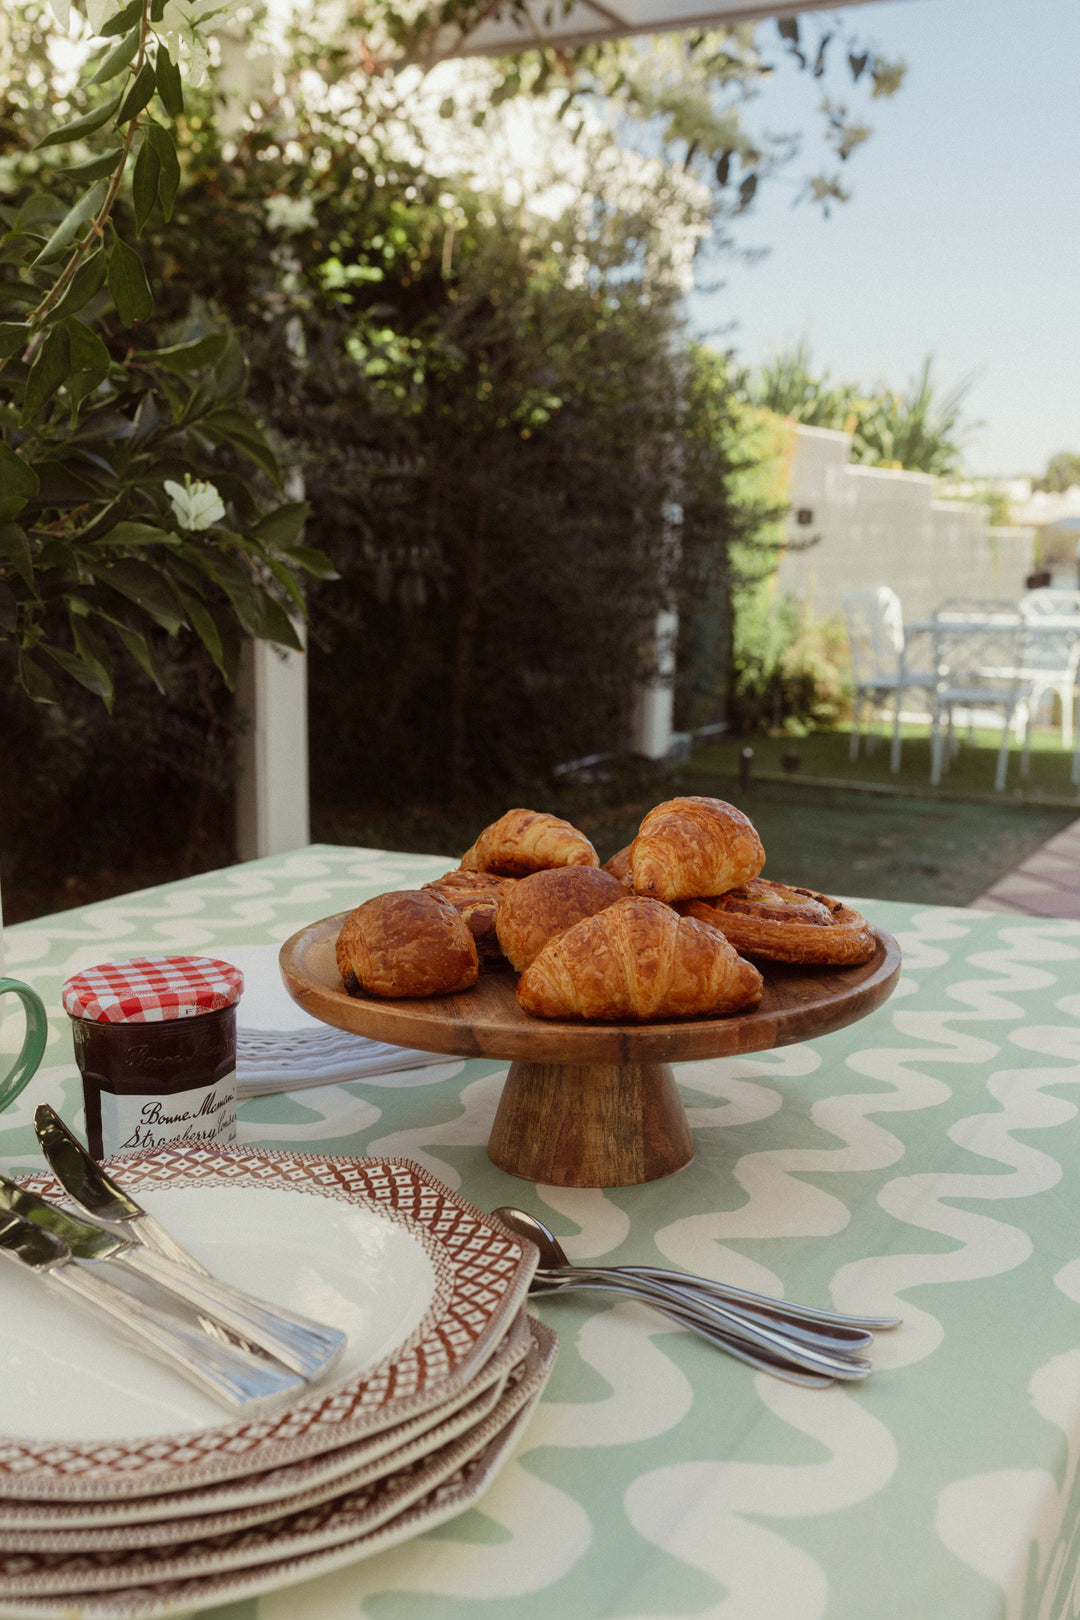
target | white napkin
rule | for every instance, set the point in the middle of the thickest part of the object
(280, 1047)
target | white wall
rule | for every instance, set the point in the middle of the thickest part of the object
(878, 526)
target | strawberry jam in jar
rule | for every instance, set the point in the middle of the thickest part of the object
(155, 1041)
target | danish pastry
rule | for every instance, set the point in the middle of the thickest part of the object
(638, 959)
(526, 841)
(694, 846)
(783, 924)
(475, 896)
(406, 943)
(543, 905)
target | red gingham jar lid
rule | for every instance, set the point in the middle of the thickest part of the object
(151, 990)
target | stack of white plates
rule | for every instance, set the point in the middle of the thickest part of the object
(125, 1492)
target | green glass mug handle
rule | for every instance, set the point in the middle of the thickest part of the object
(33, 1046)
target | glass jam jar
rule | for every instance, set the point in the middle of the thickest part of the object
(155, 1041)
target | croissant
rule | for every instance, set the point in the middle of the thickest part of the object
(635, 960)
(686, 848)
(526, 841)
(539, 907)
(407, 943)
(619, 867)
(783, 924)
(475, 895)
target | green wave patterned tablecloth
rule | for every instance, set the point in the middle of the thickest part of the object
(925, 1160)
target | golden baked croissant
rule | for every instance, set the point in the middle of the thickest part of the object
(619, 867)
(784, 924)
(539, 907)
(475, 896)
(686, 848)
(407, 943)
(526, 841)
(635, 960)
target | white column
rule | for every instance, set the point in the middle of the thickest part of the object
(272, 805)
(655, 703)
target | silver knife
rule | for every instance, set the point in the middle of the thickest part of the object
(308, 1348)
(83, 1179)
(242, 1380)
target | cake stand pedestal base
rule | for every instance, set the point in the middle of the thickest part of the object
(590, 1124)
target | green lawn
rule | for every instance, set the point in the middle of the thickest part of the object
(824, 756)
(843, 828)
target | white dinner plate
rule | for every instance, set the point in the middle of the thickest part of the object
(111, 1586)
(422, 1284)
(183, 1515)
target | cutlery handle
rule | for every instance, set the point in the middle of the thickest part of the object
(308, 1347)
(761, 1302)
(719, 1325)
(241, 1380)
(819, 1332)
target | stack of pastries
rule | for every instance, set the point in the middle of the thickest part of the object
(661, 931)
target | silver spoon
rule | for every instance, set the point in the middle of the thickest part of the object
(721, 1324)
(854, 1332)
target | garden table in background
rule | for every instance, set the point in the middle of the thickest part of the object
(926, 1159)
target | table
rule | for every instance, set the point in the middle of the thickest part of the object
(927, 1159)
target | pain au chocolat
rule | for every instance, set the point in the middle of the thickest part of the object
(475, 895)
(638, 959)
(406, 943)
(779, 923)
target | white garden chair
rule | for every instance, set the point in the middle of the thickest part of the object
(879, 660)
(1052, 655)
(980, 665)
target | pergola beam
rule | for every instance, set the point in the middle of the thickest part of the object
(585, 22)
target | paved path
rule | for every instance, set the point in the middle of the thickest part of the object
(1047, 884)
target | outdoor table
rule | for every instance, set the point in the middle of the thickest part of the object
(925, 1160)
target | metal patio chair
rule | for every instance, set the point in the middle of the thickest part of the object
(1052, 655)
(880, 661)
(980, 664)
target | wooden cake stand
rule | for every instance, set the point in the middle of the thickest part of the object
(586, 1105)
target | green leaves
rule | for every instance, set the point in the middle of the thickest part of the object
(139, 94)
(118, 58)
(184, 357)
(73, 221)
(238, 429)
(169, 85)
(128, 285)
(157, 175)
(80, 128)
(72, 357)
(127, 18)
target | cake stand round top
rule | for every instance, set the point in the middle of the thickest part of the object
(799, 1003)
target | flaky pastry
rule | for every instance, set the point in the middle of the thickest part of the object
(537, 908)
(638, 959)
(526, 841)
(475, 896)
(694, 846)
(406, 943)
(783, 924)
(619, 867)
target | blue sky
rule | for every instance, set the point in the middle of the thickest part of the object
(962, 238)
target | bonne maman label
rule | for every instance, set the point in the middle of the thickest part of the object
(132, 1124)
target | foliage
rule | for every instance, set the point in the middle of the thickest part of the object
(790, 670)
(1062, 472)
(733, 459)
(485, 403)
(919, 430)
(687, 95)
(131, 476)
